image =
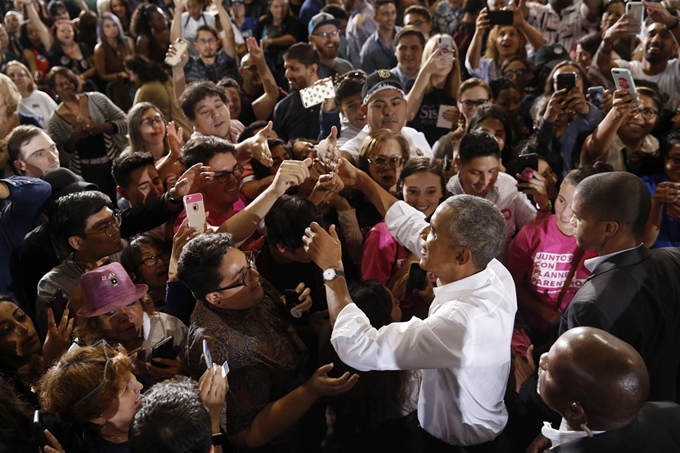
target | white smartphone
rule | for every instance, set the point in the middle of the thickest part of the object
(318, 93)
(637, 9)
(445, 43)
(193, 205)
(623, 80)
(181, 45)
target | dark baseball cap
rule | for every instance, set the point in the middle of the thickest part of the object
(64, 182)
(550, 55)
(378, 81)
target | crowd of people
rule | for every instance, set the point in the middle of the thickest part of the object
(366, 225)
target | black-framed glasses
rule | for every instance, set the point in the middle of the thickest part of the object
(245, 280)
(469, 103)
(327, 34)
(382, 162)
(105, 379)
(152, 260)
(648, 113)
(109, 228)
(206, 41)
(149, 122)
(224, 175)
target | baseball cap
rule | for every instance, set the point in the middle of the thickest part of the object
(378, 81)
(321, 19)
(64, 182)
(550, 55)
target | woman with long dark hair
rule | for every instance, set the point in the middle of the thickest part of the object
(151, 30)
(112, 49)
(278, 31)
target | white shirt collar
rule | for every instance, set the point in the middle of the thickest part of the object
(592, 263)
(146, 325)
(563, 435)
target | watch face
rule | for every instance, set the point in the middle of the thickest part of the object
(329, 274)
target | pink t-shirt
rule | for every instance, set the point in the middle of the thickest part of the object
(539, 258)
(383, 255)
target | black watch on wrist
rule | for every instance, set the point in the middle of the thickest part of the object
(217, 439)
(172, 199)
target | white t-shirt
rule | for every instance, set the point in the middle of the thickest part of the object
(668, 81)
(40, 105)
(190, 25)
(417, 140)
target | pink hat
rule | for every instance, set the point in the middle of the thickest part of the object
(106, 289)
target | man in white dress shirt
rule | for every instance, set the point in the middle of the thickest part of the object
(463, 347)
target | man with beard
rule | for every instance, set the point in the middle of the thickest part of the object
(324, 36)
(291, 119)
(658, 46)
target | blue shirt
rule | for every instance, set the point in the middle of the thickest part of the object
(27, 196)
(669, 230)
(375, 54)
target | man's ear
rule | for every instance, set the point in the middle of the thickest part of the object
(462, 255)
(20, 166)
(76, 242)
(611, 228)
(281, 248)
(364, 109)
(213, 298)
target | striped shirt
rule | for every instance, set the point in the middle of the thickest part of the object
(566, 27)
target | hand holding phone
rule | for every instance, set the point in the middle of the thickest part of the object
(596, 94)
(174, 56)
(416, 278)
(565, 81)
(623, 79)
(504, 17)
(58, 303)
(292, 299)
(164, 349)
(195, 210)
(39, 430)
(317, 93)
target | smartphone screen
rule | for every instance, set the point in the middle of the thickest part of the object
(565, 80)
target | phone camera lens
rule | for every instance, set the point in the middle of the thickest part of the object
(195, 208)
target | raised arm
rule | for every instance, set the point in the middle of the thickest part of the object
(532, 35)
(176, 27)
(243, 224)
(263, 107)
(666, 194)
(624, 28)
(227, 35)
(474, 52)
(596, 146)
(435, 61)
(658, 13)
(42, 30)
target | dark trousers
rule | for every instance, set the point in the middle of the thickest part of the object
(433, 445)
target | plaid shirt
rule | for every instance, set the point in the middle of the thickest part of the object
(197, 71)
(566, 27)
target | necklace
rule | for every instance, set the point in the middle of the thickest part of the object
(115, 439)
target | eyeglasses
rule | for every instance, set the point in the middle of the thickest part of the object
(382, 162)
(224, 175)
(105, 379)
(674, 160)
(517, 73)
(152, 260)
(245, 280)
(648, 113)
(327, 34)
(469, 103)
(206, 41)
(109, 228)
(150, 122)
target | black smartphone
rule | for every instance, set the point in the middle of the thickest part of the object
(446, 166)
(292, 299)
(596, 95)
(39, 430)
(164, 349)
(565, 80)
(58, 303)
(500, 17)
(416, 277)
(525, 161)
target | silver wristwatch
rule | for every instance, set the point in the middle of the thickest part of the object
(331, 274)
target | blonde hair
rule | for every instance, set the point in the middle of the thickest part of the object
(26, 71)
(11, 94)
(492, 50)
(375, 139)
(87, 328)
(452, 84)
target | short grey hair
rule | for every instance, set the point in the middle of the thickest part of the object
(478, 225)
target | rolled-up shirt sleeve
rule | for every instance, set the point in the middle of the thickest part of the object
(434, 343)
(405, 223)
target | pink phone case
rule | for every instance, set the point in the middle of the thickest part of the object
(195, 210)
